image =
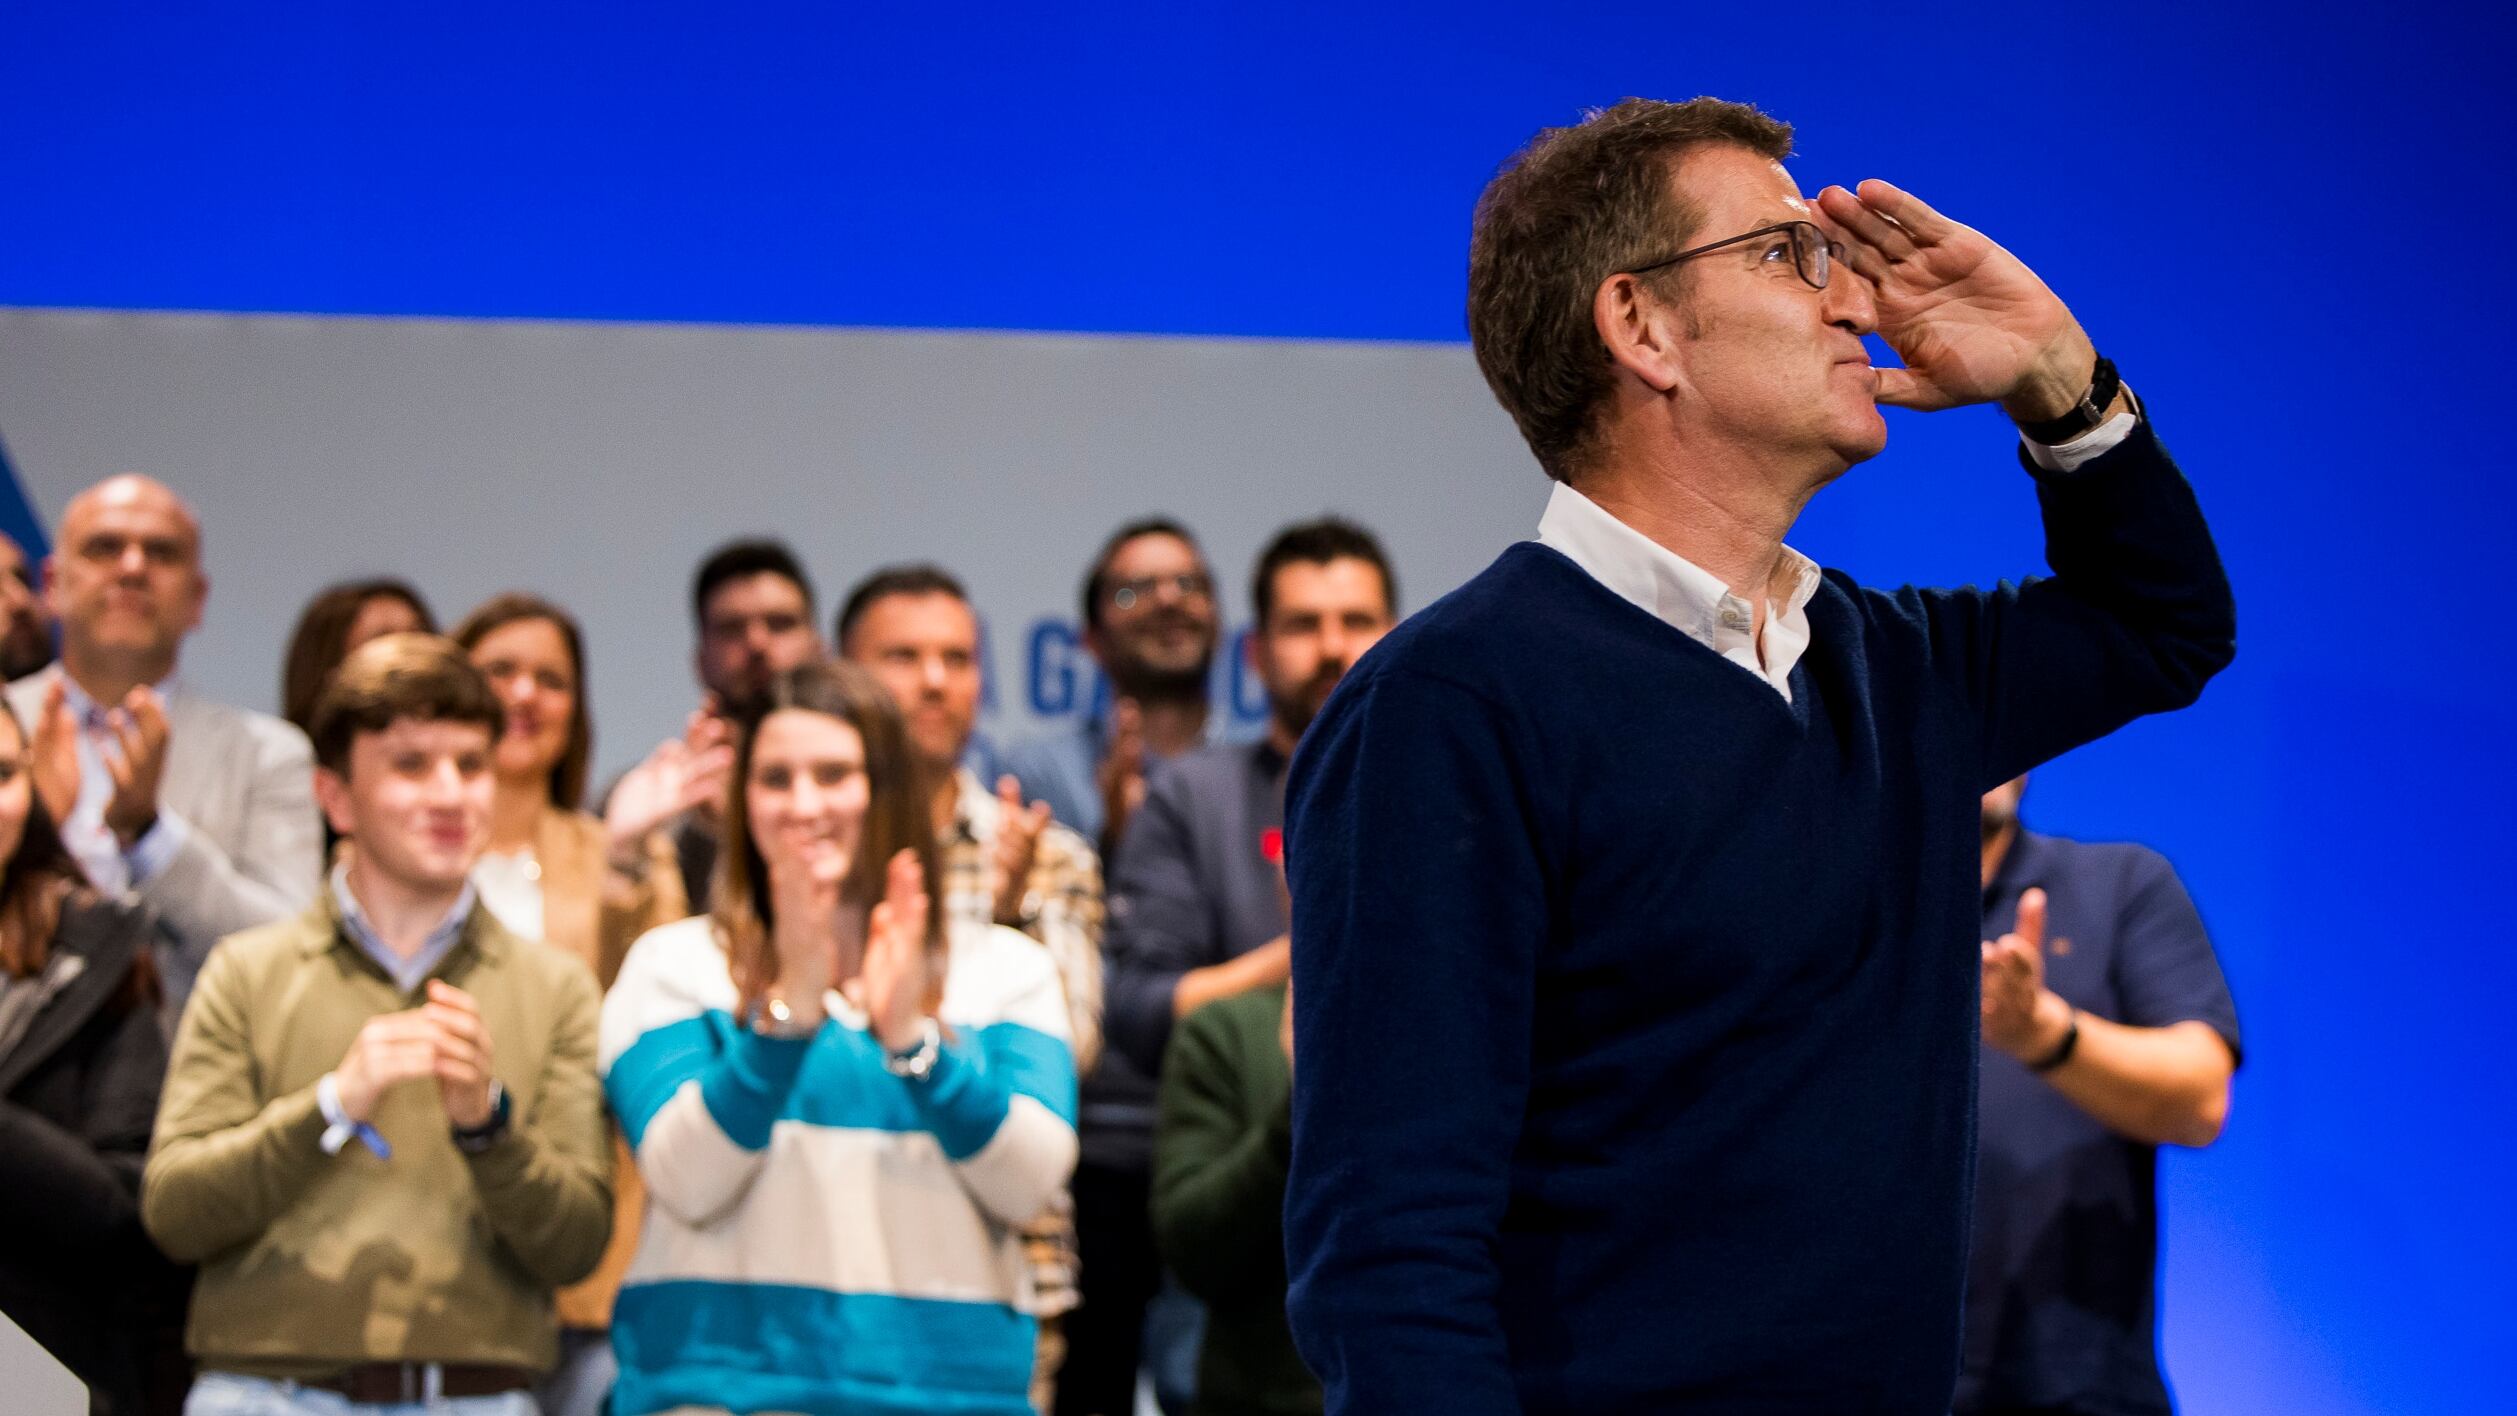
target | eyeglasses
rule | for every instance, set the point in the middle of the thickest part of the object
(1813, 255)
(1191, 585)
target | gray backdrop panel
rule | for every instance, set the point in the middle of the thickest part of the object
(595, 463)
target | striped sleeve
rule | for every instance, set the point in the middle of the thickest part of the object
(1001, 1102)
(696, 1094)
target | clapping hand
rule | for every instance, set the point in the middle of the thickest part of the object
(1122, 772)
(141, 732)
(1971, 321)
(55, 750)
(1017, 846)
(893, 985)
(2022, 1017)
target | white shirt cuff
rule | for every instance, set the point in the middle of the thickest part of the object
(338, 1127)
(145, 857)
(2087, 448)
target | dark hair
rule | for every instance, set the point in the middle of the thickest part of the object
(397, 676)
(37, 880)
(568, 775)
(1100, 571)
(1317, 543)
(896, 818)
(740, 560)
(322, 638)
(1566, 212)
(923, 578)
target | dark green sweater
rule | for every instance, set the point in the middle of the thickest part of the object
(1220, 1149)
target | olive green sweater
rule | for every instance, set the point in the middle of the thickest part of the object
(312, 1262)
(1220, 1148)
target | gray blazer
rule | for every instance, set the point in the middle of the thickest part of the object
(243, 785)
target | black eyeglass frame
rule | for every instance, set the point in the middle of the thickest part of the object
(1188, 585)
(1817, 241)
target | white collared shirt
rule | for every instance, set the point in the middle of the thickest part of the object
(1690, 599)
(1683, 595)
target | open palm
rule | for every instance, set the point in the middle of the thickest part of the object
(1970, 320)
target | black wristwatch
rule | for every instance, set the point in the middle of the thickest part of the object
(480, 1138)
(2063, 1049)
(2083, 416)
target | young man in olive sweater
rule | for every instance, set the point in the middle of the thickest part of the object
(381, 1135)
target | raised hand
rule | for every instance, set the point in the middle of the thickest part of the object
(1017, 846)
(55, 752)
(1971, 321)
(1122, 772)
(682, 773)
(2021, 1016)
(893, 985)
(462, 1055)
(141, 732)
(391, 1049)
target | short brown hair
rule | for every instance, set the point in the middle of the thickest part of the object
(1566, 212)
(568, 775)
(385, 680)
(900, 797)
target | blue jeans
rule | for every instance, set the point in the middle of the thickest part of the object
(227, 1394)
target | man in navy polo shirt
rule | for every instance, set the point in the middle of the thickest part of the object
(1635, 925)
(2108, 1032)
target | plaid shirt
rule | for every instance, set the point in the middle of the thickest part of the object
(1062, 910)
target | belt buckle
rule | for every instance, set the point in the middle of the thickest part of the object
(422, 1382)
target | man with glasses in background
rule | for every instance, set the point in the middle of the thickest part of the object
(1150, 622)
(1635, 883)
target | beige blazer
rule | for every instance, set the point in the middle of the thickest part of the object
(590, 911)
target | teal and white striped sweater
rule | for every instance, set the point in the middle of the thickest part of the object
(822, 1236)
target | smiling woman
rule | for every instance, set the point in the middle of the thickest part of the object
(844, 1108)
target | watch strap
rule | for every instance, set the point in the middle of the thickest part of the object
(2083, 416)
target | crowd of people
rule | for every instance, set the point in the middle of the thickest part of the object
(370, 1056)
(761, 1084)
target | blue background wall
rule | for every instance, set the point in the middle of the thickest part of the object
(2288, 225)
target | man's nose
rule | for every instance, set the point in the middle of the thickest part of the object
(134, 560)
(1848, 301)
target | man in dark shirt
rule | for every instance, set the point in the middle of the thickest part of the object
(752, 606)
(1636, 957)
(1197, 907)
(2108, 1032)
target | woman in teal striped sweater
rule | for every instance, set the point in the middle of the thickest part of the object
(843, 1107)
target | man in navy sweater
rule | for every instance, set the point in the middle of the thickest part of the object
(1635, 882)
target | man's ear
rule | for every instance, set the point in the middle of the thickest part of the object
(1639, 328)
(332, 794)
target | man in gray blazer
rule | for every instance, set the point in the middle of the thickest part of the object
(202, 811)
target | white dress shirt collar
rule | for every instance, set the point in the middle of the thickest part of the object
(1682, 594)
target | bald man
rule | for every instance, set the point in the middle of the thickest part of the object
(202, 811)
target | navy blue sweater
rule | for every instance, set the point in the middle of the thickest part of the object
(1636, 1007)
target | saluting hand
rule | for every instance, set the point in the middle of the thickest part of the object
(1971, 321)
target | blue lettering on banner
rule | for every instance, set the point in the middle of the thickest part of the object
(1060, 678)
(1049, 674)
